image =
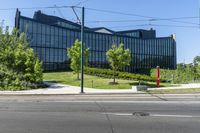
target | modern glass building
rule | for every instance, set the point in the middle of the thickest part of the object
(50, 36)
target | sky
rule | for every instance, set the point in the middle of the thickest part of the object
(187, 31)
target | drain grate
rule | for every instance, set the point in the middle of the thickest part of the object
(140, 114)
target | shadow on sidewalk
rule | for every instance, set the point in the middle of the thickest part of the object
(54, 85)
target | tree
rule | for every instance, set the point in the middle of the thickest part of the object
(118, 57)
(19, 66)
(196, 62)
(74, 54)
(38, 71)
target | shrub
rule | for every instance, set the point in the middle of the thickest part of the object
(107, 73)
(183, 74)
(19, 67)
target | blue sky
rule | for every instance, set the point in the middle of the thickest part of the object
(188, 36)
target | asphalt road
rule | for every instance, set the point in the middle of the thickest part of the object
(119, 113)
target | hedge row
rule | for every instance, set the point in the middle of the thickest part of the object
(107, 73)
(183, 74)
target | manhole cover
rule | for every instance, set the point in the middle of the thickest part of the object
(141, 114)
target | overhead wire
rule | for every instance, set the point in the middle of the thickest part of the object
(137, 20)
(30, 8)
(148, 18)
(77, 17)
(59, 11)
(137, 15)
(157, 25)
(180, 26)
(81, 2)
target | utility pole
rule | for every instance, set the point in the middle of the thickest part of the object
(82, 51)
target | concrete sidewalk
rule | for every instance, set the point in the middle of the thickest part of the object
(56, 88)
(181, 86)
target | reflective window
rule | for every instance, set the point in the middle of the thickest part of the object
(50, 42)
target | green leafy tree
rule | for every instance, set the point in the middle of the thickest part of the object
(196, 62)
(19, 66)
(38, 71)
(74, 54)
(118, 57)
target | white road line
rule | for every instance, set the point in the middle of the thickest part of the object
(134, 97)
(111, 101)
(179, 116)
(120, 114)
(101, 101)
(154, 115)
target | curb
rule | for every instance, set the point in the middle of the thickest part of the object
(85, 94)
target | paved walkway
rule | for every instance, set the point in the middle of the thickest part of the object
(181, 86)
(67, 89)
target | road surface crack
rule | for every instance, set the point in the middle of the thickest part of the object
(103, 109)
(163, 99)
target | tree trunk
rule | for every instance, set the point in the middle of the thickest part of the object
(77, 75)
(114, 77)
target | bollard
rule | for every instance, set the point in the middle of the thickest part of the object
(92, 84)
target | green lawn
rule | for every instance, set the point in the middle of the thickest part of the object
(98, 82)
(188, 90)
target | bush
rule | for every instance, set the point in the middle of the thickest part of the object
(107, 73)
(165, 75)
(184, 73)
(20, 68)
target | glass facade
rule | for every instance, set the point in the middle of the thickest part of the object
(50, 43)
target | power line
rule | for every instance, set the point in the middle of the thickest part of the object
(110, 21)
(116, 12)
(58, 9)
(77, 17)
(81, 2)
(185, 22)
(30, 8)
(136, 15)
(150, 19)
(109, 11)
(178, 26)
